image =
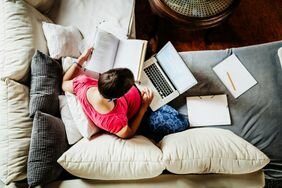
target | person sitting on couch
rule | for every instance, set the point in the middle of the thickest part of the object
(115, 104)
(112, 101)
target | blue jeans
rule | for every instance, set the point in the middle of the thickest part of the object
(164, 121)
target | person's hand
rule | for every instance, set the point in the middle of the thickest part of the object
(147, 97)
(85, 55)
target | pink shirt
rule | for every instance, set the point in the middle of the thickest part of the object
(125, 107)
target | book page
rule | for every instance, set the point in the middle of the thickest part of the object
(175, 68)
(131, 55)
(234, 76)
(105, 49)
(208, 110)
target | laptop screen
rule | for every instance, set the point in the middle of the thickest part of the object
(175, 68)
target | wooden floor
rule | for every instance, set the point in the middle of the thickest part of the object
(253, 22)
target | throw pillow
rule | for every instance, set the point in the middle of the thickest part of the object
(108, 157)
(18, 45)
(48, 143)
(62, 41)
(15, 130)
(210, 150)
(85, 126)
(46, 76)
(73, 134)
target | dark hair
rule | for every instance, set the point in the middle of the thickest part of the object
(114, 83)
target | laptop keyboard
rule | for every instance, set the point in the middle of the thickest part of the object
(158, 80)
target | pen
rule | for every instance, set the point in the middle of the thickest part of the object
(230, 80)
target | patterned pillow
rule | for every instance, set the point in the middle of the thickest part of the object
(48, 143)
(46, 76)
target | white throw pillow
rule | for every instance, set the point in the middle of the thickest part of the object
(62, 41)
(20, 34)
(108, 157)
(15, 130)
(210, 150)
(85, 126)
(73, 134)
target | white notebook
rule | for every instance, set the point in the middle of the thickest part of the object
(208, 110)
(234, 76)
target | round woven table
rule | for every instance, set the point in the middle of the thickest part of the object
(194, 14)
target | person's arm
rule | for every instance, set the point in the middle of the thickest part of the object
(129, 131)
(74, 71)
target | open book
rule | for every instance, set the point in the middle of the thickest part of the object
(234, 75)
(112, 52)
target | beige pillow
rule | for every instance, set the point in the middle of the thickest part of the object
(210, 150)
(15, 130)
(41, 5)
(108, 157)
(20, 34)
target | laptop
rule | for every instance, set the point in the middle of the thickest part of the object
(167, 75)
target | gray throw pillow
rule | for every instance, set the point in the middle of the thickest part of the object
(46, 76)
(48, 143)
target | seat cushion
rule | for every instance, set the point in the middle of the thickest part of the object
(15, 130)
(256, 114)
(20, 34)
(108, 157)
(210, 150)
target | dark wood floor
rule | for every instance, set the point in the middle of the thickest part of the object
(253, 22)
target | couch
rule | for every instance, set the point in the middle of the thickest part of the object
(21, 35)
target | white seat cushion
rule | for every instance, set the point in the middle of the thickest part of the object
(210, 150)
(108, 157)
(15, 130)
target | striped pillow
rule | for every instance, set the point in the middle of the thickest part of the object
(46, 76)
